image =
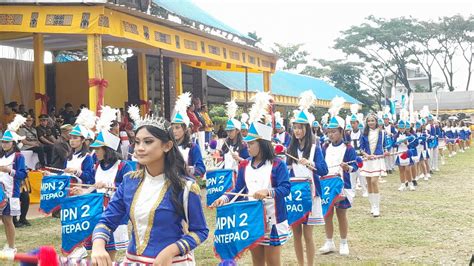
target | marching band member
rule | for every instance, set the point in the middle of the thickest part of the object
(372, 144)
(449, 132)
(79, 162)
(12, 173)
(303, 147)
(462, 135)
(234, 150)
(354, 139)
(189, 150)
(404, 164)
(157, 198)
(264, 176)
(281, 136)
(109, 172)
(422, 150)
(337, 155)
(433, 132)
(390, 132)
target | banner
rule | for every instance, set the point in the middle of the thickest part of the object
(79, 215)
(300, 201)
(3, 197)
(239, 226)
(218, 182)
(331, 187)
(53, 191)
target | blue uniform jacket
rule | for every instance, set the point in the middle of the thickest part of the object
(280, 184)
(87, 168)
(195, 160)
(365, 145)
(166, 227)
(321, 169)
(349, 156)
(18, 173)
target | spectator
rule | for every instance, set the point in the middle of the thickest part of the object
(31, 141)
(201, 135)
(194, 120)
(31, 112)
(221, 134)
(8, 116)
(21, 110)
(52, 112)
(61, 147)
(46, 136)
(80, 108)
(68, 114)
(58, 123)
(209, 128)
(14, 107)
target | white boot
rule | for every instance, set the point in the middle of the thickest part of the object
(371, 201)
(328, 247)
(376, 198)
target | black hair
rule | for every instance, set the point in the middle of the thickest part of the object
(186, 143)
(67, 105)
(366, 126)
(175, 166)
(266, 150)
(238, 141)
(318, 132)
(14, 148)
(295, 144)
(110, 156)
(84, 150)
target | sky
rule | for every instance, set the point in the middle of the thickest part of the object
(318, 23)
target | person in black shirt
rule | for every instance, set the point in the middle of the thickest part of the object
(46, 136)
(68, 114)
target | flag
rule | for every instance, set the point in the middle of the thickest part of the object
(217, 183)
(299, 202)
(239, 226)
(79, 216)
(53, 191)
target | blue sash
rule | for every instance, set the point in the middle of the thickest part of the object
(218, 182)
(300, 201)
(53, 191)
(79, 216)
(239, 226)
(331, 187)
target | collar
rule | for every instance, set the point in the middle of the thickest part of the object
(160, 177)
(337, 144)
(258, 166)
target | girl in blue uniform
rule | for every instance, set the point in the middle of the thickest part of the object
(340, 158)
(404, 164)
(263, 176)
(189, 150)
(234, 150)
(372, 144)
(158, 198)
(303, 147)
(12, 173)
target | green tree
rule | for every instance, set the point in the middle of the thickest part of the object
(382, 41)
(254, 36)
(291, 54)
(217, 113)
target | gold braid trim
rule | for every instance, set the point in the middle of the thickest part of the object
(195, 237)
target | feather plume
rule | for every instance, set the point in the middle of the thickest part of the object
(86, 118)
(134, 112)
(231, 109)
(325, 118)
(360, 117)
(17, 122)
(244, 118)
(386, 110)
(425, 112)
(379, 114)
(260, 107)
(404, 115)
(354, 108)
(278, 117)
(336, 104)
(182, 103)
(107, 115)
(307, 99)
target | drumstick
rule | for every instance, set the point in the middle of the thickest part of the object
(291, 156)
(54, 169)
(241, 195)
(87, 185)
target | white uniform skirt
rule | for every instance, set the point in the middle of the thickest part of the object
(316, 216)
(375, 167)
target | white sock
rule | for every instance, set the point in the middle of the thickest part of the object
(344, 241)
(329, 240)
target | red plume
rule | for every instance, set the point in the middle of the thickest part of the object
(279, 149)
(360, 164)
(404, 155)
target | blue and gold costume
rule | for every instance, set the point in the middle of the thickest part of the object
(156, 222)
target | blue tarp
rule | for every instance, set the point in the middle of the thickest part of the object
(283, 83)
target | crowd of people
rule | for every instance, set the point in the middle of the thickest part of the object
(148, 167)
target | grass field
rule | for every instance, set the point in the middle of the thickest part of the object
(433, 225)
